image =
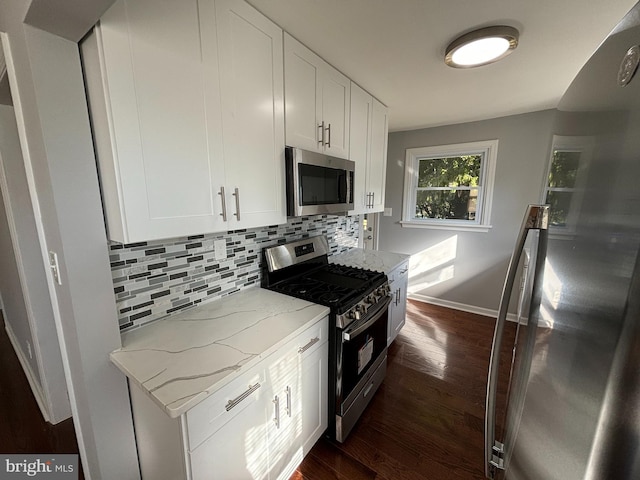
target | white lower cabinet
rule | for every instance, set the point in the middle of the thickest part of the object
(238, 449)
(398, 281)
(259, 426)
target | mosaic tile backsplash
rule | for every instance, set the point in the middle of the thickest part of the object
(152, 280)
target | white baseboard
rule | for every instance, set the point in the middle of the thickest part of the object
(487, 312)
(33, 383)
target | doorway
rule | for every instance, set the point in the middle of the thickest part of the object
(369, 233)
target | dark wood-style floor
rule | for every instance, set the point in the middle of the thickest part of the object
(22, 427)
(427, 419)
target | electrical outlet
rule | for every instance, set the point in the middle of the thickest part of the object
(388, 212)
(55, 269)
(220, 249)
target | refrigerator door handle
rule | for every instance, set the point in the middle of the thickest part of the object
(536, 218)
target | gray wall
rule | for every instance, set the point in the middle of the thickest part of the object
(466, 269)
(25, 293)
(13, 187)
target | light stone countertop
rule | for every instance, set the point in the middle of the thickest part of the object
(374, 260)
(182, 359)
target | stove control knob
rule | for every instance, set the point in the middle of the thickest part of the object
(354, 314)
(371, 298)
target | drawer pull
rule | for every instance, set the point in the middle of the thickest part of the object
(311, 343)
(232, 403)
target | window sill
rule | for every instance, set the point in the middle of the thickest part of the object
(446, 226)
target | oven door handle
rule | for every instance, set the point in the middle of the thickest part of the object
(358, 328)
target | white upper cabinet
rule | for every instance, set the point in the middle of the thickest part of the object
(317, 102)
(377, 171)
(368, 149)
(360, 144)
(252, 77)
(176, 134)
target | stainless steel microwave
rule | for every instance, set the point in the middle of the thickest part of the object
(318, 183)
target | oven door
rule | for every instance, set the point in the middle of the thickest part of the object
(362, 343)
(361, 367)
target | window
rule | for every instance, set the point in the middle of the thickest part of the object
(563, 187)
(450, 186)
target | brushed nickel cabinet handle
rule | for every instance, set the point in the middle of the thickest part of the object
(232, 403)
(328, 136)
(276, 403)
(311, 343)
(224, 204)
(237, 195)
(321, 127)
(288, 390)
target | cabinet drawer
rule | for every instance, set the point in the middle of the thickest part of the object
(206, 418)
(310, 340)
(399, 272)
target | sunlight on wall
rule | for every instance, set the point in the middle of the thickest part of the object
(433, 265)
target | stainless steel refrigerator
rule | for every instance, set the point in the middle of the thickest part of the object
(572, 408)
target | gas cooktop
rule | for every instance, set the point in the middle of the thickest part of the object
(331, 285)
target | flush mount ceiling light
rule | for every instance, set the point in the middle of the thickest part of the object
(480, 47)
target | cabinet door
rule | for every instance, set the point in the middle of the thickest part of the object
(299, 383)
(303, 412)
(360, 144)
(284, 426)
(302, 96)
(311, 400)
(252, 87)
(377, 173)
(238, 450)
(159, 71)
(336, 105)
(398, 281)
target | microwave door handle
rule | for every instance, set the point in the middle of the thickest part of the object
(343, 187)
(348, 335)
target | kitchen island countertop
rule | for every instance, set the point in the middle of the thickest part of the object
(375, 260)
(182, 359)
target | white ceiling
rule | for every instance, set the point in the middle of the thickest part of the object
(394, 49)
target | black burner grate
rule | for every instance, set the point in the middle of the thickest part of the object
(332, 285)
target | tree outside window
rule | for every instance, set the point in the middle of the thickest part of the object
(449, 186)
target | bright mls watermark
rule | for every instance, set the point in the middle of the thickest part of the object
(52, 467)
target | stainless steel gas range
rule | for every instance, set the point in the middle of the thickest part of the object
(359, 301)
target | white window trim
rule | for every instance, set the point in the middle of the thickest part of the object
(483, 223)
